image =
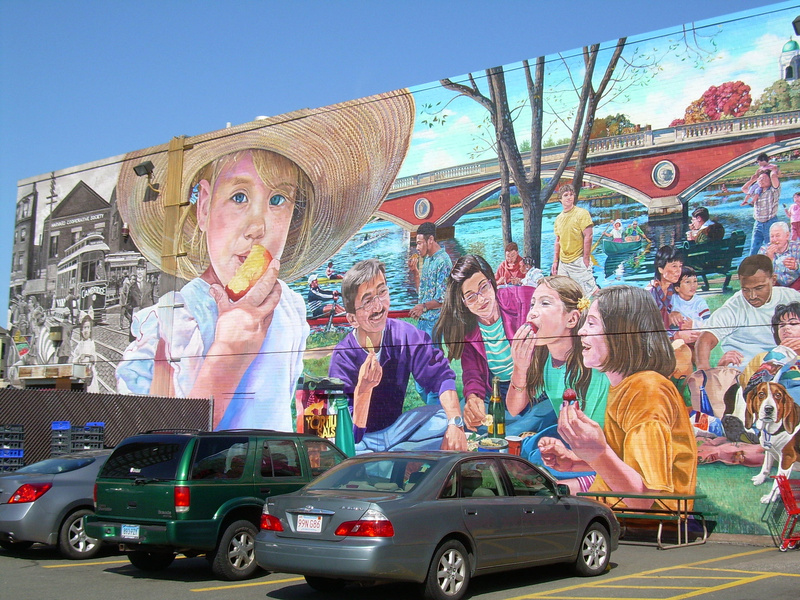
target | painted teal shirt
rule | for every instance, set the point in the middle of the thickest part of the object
(596, 395)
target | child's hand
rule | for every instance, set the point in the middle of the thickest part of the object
(585, 437)
(523, 344)
(242, 325)
(556, 455)
(676, 319)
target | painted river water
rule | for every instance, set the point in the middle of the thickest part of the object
(479, 232)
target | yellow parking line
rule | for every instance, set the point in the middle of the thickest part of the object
(650, 587)
(725, 586)
(551, 595)
(251, 584)
(700, 577)
(87, 564)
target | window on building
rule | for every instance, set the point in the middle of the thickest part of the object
(53, 250)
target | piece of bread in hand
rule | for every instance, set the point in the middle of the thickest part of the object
(250, 271)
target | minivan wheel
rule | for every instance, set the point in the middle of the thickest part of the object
(72, 539)
(235, 556)
(150, 561)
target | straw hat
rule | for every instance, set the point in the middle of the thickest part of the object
(351, 152)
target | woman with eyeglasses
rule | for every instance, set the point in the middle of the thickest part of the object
(477, 325)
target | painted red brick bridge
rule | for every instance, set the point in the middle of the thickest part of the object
(662, 169)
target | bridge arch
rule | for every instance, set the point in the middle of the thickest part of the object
(476, 197)
(748, 158)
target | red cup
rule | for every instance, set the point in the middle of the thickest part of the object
(514, 444)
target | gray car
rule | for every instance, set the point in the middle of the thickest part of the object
(45, 502)
(435, 518)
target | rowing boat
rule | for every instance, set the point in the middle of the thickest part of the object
(612, 248)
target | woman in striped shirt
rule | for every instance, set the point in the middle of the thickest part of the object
(477, 325)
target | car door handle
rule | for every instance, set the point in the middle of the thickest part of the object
(528, 511)
(471, 512)
(264, 490)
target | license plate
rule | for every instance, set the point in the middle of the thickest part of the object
(130, 532)
(308, 524)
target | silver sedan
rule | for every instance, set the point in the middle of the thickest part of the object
(435, 518)
(46, 502)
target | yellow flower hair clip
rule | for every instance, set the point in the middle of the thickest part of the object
(583, 303)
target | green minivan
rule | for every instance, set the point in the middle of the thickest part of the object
(160, 494)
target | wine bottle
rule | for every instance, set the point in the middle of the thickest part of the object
(497, 410)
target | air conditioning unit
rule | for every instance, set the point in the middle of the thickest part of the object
(51, 371)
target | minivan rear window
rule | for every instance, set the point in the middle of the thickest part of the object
(148, 459)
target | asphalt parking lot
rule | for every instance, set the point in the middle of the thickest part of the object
(714, 571)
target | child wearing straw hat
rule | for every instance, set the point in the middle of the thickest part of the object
(265, 183)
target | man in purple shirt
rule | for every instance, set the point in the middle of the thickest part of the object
(375, 362)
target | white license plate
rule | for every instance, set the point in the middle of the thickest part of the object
(130, 532)
(307, 524)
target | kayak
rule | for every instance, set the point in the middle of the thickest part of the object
(612, 248)
(328, 281)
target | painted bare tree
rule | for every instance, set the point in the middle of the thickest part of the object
(592, 91)
(528, 180)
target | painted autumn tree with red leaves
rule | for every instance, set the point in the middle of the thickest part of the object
(731, 99)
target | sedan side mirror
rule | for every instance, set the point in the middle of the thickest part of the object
(562, 489)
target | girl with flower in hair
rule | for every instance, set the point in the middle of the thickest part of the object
(547, 352)
(647, 443)
(548, 360)
(298, 188)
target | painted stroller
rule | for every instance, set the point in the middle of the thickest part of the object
(790, 495)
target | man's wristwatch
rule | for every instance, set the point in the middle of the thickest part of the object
(457, 421)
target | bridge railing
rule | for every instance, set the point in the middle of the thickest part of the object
(609, 145)
(732, 126)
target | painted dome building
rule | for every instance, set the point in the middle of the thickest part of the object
(790, 61)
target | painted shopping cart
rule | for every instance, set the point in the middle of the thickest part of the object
(790, 496)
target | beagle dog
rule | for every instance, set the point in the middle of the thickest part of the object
(775, 415)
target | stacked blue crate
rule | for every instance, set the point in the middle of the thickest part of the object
(12, 453)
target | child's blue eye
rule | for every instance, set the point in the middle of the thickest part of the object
(277, 200)
(239, 197)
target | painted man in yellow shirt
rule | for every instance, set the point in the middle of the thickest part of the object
(574, 230)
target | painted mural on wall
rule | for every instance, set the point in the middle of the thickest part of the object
(607, 239)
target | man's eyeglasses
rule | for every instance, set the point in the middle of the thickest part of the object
(375, 301)
(483, 291)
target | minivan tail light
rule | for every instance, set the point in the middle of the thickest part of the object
(29, 492)
(94, 497)
(182, 498)
(373, 524)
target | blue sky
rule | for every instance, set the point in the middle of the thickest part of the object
(84, 80)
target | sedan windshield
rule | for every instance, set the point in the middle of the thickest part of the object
(381, 475)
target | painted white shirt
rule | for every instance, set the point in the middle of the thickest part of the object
(187, 320)
(740, 326)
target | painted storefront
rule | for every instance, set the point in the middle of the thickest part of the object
(132, 259)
